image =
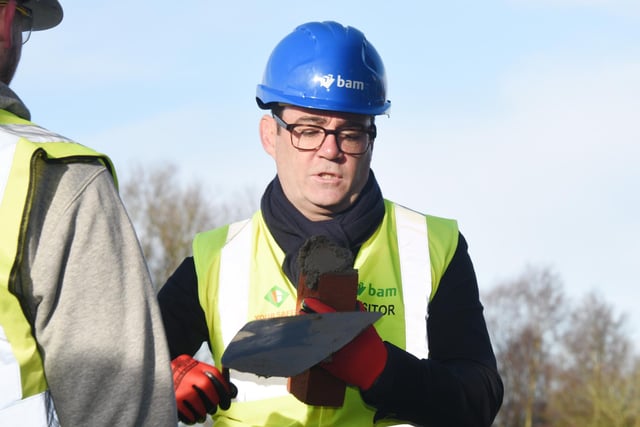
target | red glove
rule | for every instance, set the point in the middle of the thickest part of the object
(200, 388)
(361, 361)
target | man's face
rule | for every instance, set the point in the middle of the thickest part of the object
(323, 182)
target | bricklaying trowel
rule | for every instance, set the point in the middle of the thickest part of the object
(287, 346)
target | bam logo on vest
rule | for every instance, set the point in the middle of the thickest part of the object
(368, 293)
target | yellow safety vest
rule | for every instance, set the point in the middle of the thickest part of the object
(23, 381)
(240, 279)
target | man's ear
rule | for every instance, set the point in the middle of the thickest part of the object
(5, 26)
(268, 131)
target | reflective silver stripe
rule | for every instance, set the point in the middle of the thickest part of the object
(415, 267)
(7, 149)
(235, 265)
(9, 136)
(233, 299)
(14, 410)
(11, 389)
(30, 412)
(33, 133)
(252, 387)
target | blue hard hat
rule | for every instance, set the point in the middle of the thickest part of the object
(325, 66)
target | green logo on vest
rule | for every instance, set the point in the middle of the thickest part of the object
(376, 292)
(276, 296)
(361, 288)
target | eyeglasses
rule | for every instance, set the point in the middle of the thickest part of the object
(26, 20)
(351, 140)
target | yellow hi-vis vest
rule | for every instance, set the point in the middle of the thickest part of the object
(240, 279)
(22, 379)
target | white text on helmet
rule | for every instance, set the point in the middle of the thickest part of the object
(327, 81)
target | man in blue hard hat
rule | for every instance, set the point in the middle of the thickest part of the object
(81, 337)
(324, 85)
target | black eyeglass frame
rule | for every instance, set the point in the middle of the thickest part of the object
(371, 131)
(27, 23)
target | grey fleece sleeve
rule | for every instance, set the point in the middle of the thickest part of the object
(87, 292)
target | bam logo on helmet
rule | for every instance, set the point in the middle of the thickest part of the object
(327, 81)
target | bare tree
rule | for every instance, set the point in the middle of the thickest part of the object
(168, 213)
(598, 380)
(524, 316)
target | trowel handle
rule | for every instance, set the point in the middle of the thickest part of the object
(227, 377)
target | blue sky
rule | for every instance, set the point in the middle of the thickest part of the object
(518, 118)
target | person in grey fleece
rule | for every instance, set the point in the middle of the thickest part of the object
(78, 274)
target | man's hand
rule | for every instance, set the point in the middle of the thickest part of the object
(361, 361)
(200, 388)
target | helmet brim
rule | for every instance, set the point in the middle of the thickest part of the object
(46, 13)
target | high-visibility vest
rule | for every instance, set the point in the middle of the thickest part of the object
(23, 383)
(240, 279)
